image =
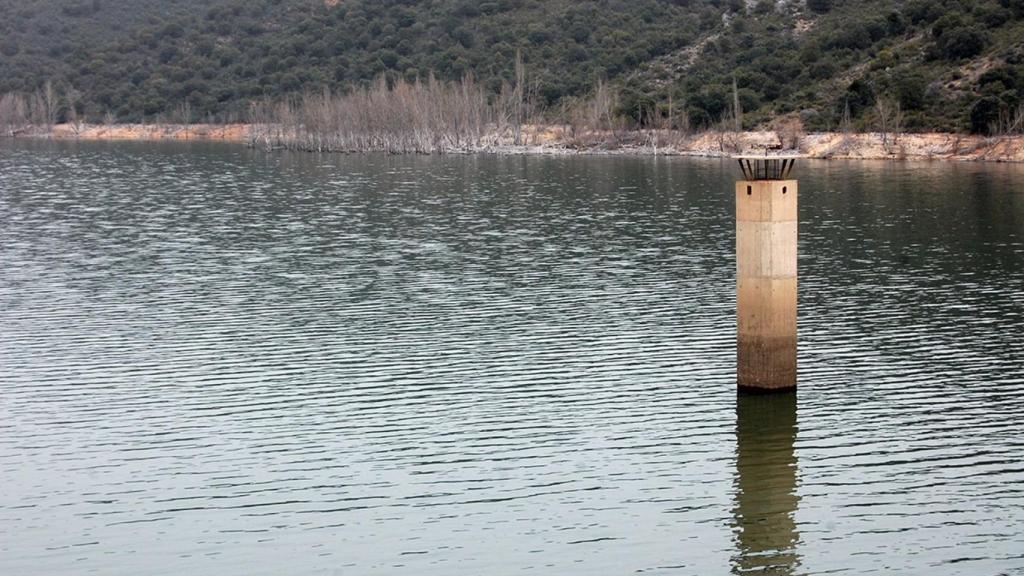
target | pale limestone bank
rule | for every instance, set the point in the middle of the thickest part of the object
(563, 140)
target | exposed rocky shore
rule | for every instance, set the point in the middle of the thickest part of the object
(562, 140)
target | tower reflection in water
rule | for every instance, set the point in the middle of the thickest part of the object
(765, 485)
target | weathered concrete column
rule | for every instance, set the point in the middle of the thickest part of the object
(766, 283)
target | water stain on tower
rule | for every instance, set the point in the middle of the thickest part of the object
(766, 276)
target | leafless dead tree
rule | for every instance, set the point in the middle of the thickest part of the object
(50, 100)
(14, 114)
(889, 120)
(423, 116)
(789, 129)
(737, 109)
(519, 97)
(74, 120)
(729, 139)
(1010, 122)
(35, 110)
(592, 119)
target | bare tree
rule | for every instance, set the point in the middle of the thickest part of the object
(13, 114)
(1010, 122)
(1015, 125)
(846, 128)
(36, 109)
(737, 110)
(519, 97)
(674, 116)
(670, 112)
(184, 113)
(846, 121)
(592, 119)
(789, 129)
(51, 104)
(72, 97)
(888, 118)
(421, 116)
(897, 124)
(683, 123)
(729, 140)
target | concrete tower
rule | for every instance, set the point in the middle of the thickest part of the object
(766, 233)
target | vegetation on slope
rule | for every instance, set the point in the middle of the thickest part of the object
(947, 65)
(923, 64)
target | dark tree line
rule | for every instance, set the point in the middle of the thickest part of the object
(149, 60)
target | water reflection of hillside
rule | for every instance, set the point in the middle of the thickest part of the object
(765, 499)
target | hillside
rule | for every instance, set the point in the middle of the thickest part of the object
(944, 65)
(935, 62)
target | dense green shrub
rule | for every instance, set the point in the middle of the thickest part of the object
(984, 114)
(910, 90)
(819, 6)
(221, 55)
(923, 11)
(1017, 6)
(962, 42)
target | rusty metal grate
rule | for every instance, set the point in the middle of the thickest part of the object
(767, 167)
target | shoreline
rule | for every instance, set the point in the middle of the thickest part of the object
(562, 140)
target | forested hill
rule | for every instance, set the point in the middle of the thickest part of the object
(948, 64)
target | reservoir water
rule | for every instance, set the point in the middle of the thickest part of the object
(221, 361)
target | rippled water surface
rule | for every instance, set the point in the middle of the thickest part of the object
(218, 361)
